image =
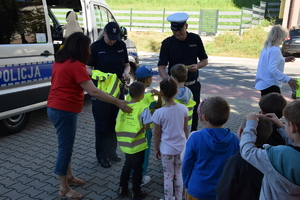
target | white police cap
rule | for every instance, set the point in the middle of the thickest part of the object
(177, 20)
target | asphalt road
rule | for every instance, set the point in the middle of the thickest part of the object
(229, 72)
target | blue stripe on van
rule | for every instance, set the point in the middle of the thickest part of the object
(25, 72)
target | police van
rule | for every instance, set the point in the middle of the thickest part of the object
(30, 34)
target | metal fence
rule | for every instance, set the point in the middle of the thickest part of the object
(204, 22)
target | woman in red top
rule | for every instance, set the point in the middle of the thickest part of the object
(65, 101)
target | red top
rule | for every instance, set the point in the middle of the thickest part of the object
(66, 93)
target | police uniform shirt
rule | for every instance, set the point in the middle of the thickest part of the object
(174, 51)
(109, 59)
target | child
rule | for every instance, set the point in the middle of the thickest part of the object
(130, 130)
(170, 133)
(184, 96)
(279, 164)
(144, 75)
(239, 179)
(273, 103)
(208, 149)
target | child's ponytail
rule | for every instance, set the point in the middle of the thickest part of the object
(169, 87)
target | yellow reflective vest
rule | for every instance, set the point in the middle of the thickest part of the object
(107, 82)
(190, 106)
(148, 100)
(130, 130)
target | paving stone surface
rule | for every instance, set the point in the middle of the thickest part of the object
(27, 158)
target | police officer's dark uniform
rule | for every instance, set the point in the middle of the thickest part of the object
(174, 51)
(108, 59)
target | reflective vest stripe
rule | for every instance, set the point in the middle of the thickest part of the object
(114, 87)
(99, 78)
(133, 144)
(129, 134)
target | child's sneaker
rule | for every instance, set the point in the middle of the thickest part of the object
(146, 180)
(122, 192)
(138, 195)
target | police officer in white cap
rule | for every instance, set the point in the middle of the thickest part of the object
(185, 48)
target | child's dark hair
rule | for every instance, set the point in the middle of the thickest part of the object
(169, 87)
(136, 89)
(272, 103)
(143, 80)
(216, 109)
(179, 72)
(264, 129)
(291, 113)
(76, 47)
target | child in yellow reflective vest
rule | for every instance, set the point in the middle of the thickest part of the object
(144, 75)
(184, 96)
(130, 131)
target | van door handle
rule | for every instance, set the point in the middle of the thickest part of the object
(46, 53)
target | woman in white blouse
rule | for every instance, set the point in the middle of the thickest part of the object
(269, 76)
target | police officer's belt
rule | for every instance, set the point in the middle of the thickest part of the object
(192, 82)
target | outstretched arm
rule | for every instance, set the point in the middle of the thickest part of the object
(162, 71)
(99, 94)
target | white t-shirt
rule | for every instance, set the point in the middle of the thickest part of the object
(171, 120)
(145, 116)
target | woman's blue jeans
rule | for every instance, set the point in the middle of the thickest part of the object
(65, 124)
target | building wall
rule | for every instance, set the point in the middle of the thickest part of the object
(291, 16)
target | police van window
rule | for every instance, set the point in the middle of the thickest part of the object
(24, 22)
(102, 16)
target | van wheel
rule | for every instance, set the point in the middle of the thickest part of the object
(14, 124)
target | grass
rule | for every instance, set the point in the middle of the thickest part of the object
(148, 41)
(229, 45)
(182, 5)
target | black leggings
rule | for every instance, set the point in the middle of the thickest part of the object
(271, 89)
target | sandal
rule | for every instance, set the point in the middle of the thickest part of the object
(75, 181)
(69, 194)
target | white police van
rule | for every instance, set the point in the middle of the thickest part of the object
(30, 35)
